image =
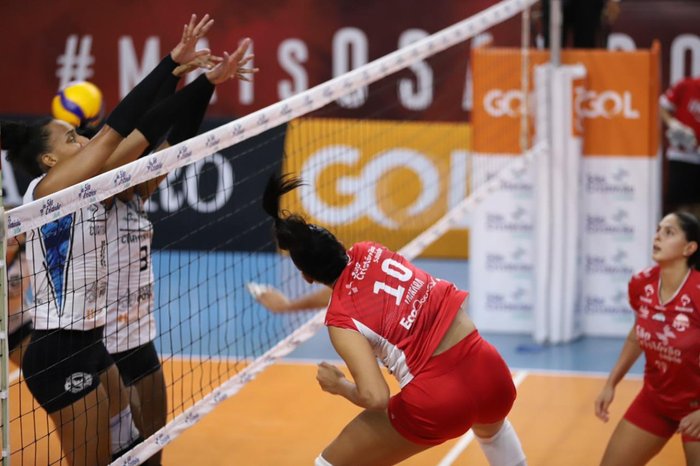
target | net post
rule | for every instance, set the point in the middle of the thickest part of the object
(4, 348)
(525, 80)
(555, 22)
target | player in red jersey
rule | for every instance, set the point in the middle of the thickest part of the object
(680, 111)
(666, 303)
(384, 307)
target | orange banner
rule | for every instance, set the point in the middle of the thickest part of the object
(381, 180)
(615, 106)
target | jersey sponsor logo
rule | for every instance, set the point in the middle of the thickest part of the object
(659, 316)
(77, 382)
(685, 304)
(137, 236)
(667, 333)
(352, 289)
(97, 228)
(643, 312)
(649, 290)
(407, 321)
(662, 348)
(360, 270)
(681, 322)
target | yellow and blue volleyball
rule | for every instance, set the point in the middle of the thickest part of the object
(78, 103)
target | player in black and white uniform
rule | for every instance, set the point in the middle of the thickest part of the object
(67, 366)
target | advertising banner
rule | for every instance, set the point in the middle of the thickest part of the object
(384, 181)
(615, 111)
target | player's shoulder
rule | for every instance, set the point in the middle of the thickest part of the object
(693, 283)
(645, 276)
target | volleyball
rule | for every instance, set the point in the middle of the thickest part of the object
(78, 103)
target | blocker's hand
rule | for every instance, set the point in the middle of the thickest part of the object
(184, 52)
(329, 378)
(233, 65)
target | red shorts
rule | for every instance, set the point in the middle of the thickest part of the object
(467, 384)
(648, 413)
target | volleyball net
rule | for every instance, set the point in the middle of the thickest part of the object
(386, 152)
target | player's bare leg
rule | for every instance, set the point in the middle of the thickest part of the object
(692, 453)
(370, 439)
(631, 446)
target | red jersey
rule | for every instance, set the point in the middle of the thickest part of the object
(669, 334)
(401, 310)
(683, 100)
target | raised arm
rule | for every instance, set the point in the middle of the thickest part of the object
(276, 301)
(91, 159)
(369, 389)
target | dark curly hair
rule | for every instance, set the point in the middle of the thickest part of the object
(25, 143)
(314, 250)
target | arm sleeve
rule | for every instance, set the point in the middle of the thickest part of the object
(162, 116)
(188, 123)
(125, 116)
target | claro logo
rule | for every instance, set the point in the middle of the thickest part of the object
(367, 195)
(587, 103)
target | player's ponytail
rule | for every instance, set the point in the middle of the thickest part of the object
(25, 143)
(314, 250)
(691, 227)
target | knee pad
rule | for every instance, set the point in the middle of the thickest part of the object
(503, 449)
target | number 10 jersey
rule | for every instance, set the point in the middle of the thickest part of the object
(401, 310)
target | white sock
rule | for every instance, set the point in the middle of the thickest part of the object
(503, 449)
(321, 461)
(122, 430)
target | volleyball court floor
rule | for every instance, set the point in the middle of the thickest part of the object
(283, 418)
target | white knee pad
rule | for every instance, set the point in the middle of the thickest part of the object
(503, 449)
(321, 461)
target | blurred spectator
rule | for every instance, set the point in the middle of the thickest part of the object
(585, 23)
(680, 112)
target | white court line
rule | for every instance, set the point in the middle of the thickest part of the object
(467, 438)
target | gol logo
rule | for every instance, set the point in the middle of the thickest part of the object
(368, 199)
(587, 103)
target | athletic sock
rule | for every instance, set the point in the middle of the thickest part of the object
(123, 433)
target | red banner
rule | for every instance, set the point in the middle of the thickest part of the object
(297, 44)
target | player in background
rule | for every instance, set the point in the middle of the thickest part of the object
(680, 112)
(66, 365)
(666, 302)
(384, 307)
